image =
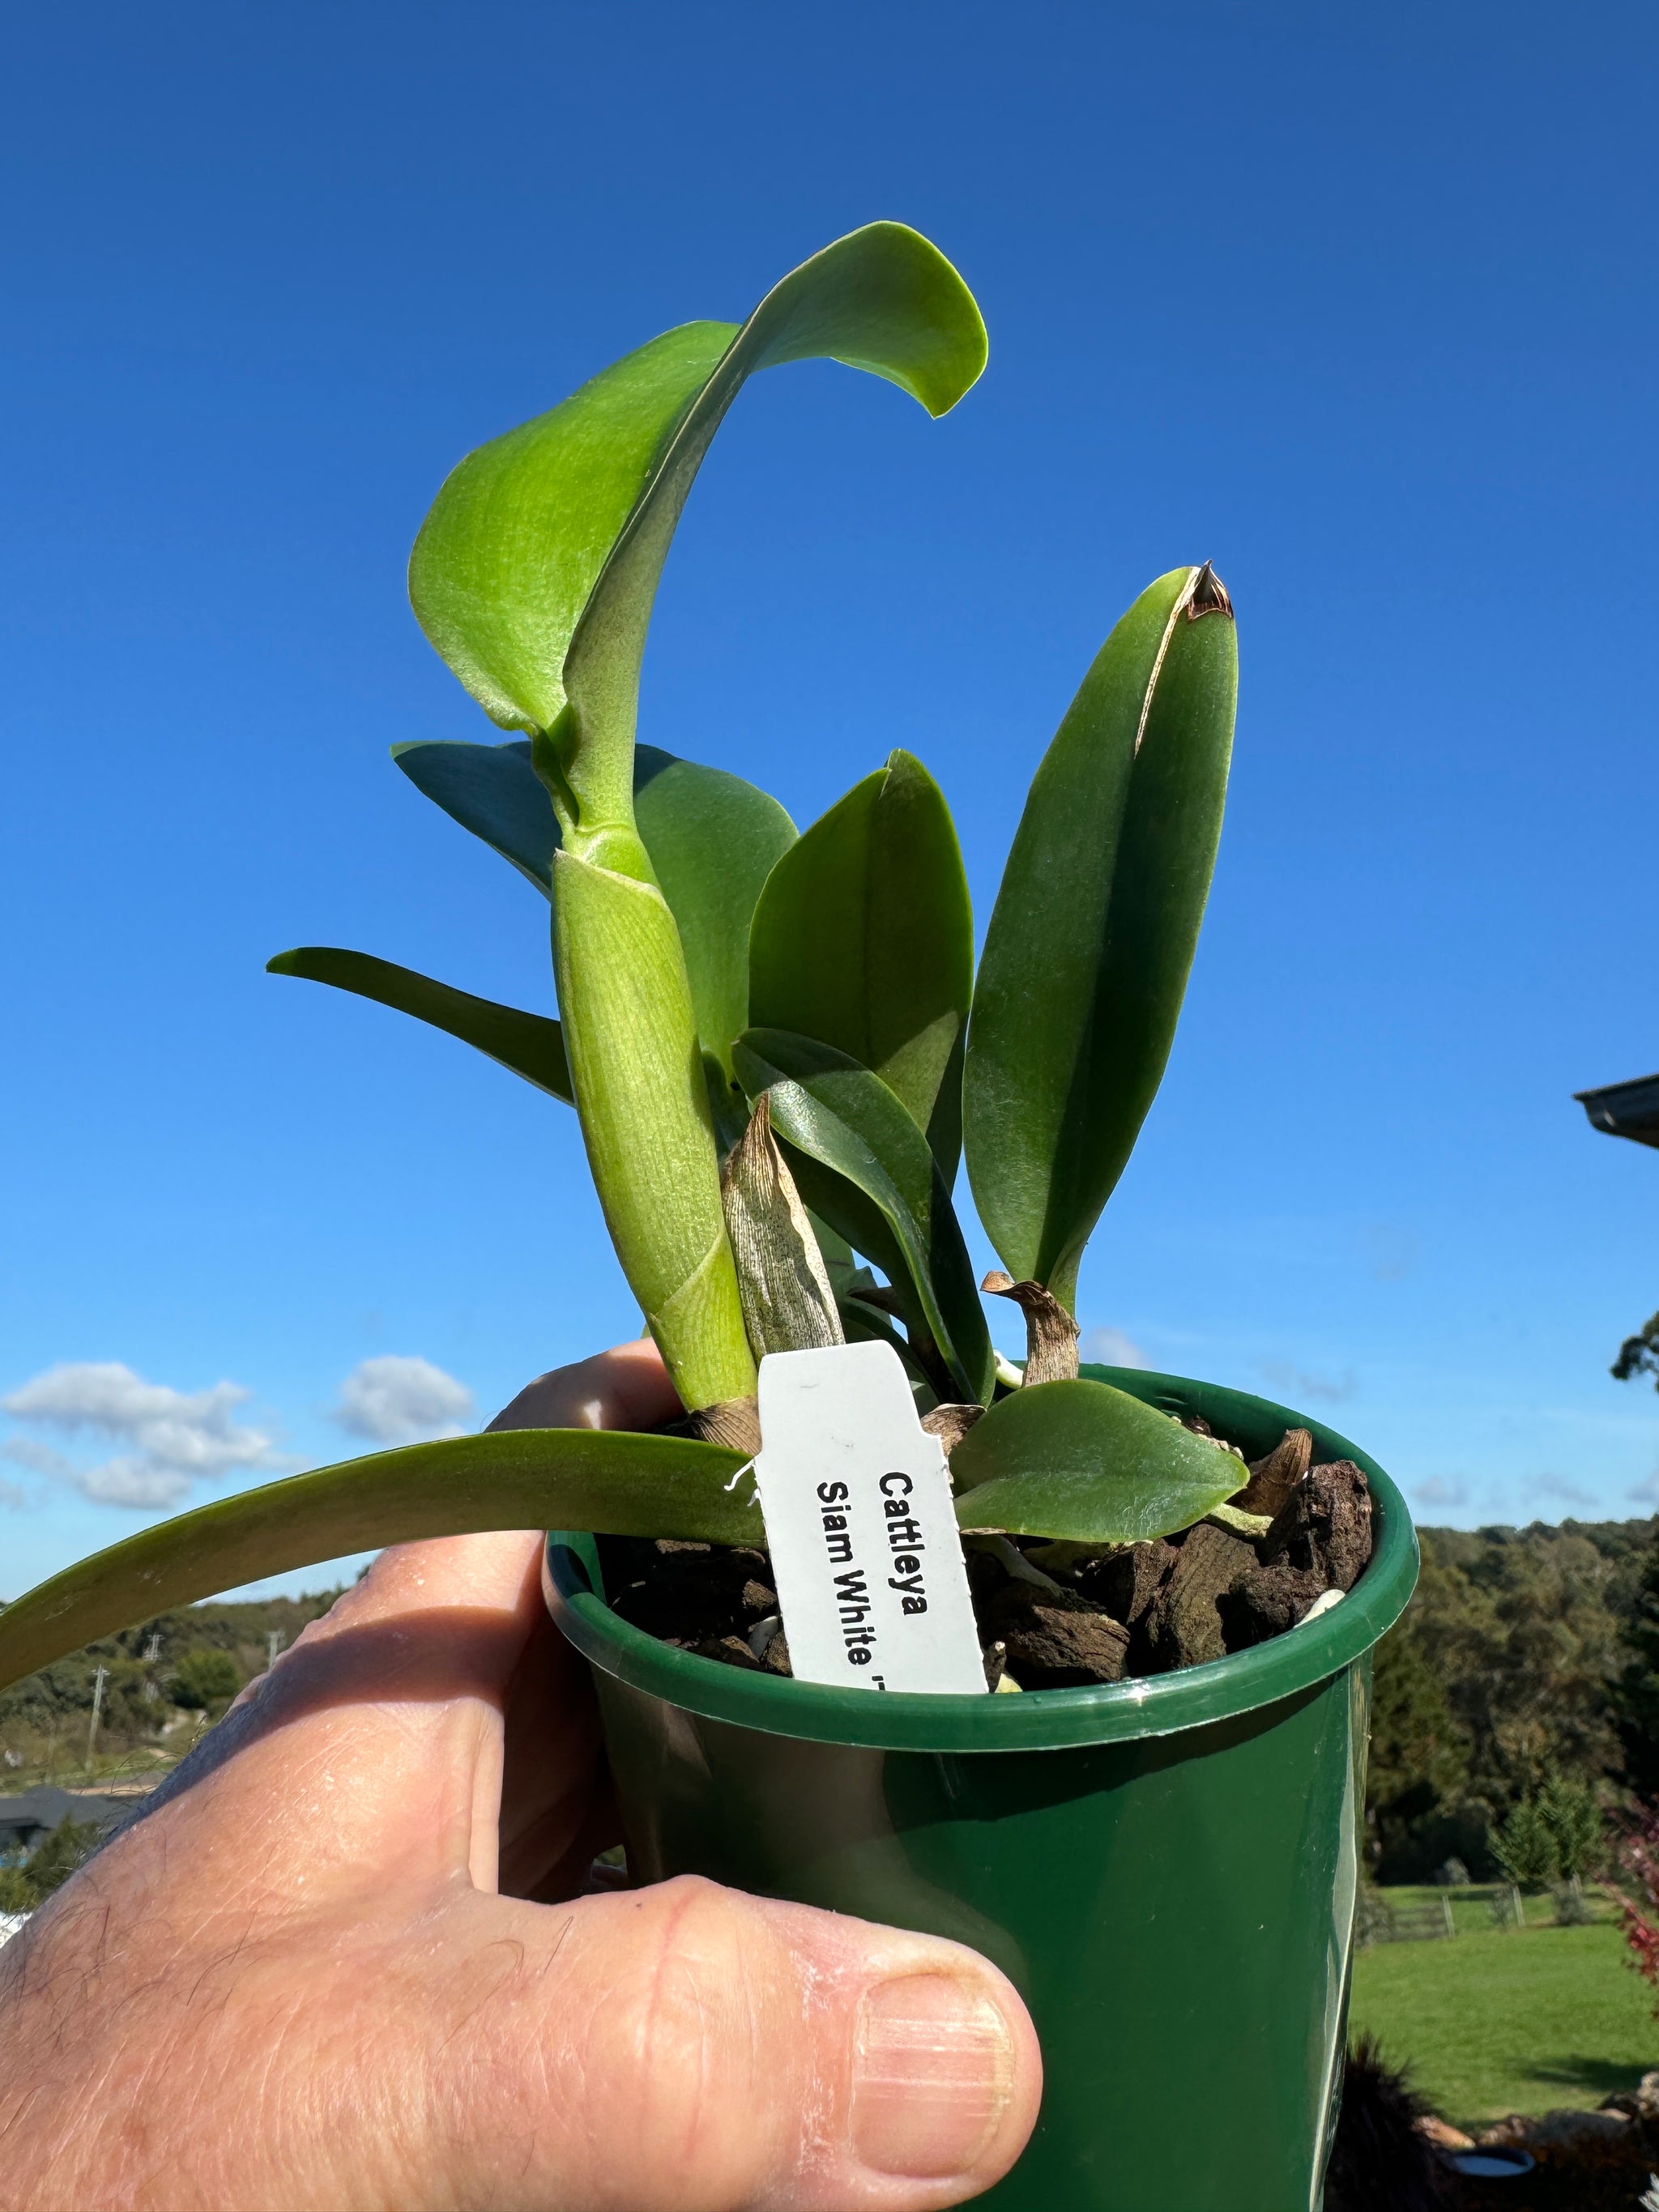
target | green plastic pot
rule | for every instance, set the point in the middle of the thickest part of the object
(1165, 1867)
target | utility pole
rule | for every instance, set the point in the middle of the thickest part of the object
(99, 1679)
(276, 1641)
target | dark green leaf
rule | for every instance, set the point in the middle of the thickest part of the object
(1087, 956)
(1084, 1463)
(712, 840)
(864, 939)
(530, 1044)
(883, 1192)
(493, 791)
(605, 1480)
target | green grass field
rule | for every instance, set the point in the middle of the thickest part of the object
(1509, 2022)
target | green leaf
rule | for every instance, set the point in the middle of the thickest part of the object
(642, 1101)
(607, 1480)
(864, 939)
(530, 1044)
(883, 1192)
(1092, 937)
(712, 840)
(507, 556)
(882, 299)
(493, 791)
(1083, 1463)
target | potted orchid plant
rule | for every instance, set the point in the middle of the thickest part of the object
(781, 1051)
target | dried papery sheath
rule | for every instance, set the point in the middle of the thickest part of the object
(950, 1424)
(1050, 1333)
(734, 1423)
(788, 1303)
(1274, 1478)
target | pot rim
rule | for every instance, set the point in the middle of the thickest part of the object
(1037, 1720)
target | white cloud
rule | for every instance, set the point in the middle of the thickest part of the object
(1301, 1383)
(1437, 1491)
(1561, 1487)
(398, 1401)
(173, 1438)
(38, 1458)
(1109, 1347)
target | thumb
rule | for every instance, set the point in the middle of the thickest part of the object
(687, 2048)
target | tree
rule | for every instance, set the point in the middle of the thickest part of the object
(1524, 1847)
(1639, 1354)
(1570, 1812)
(1635, 1695)
(1419, 1759)
(204, 1678)
(17, 1892)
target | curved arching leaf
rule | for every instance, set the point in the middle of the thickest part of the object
(1083, 1463)
(882, 299)
(864, 939)
(1092, 936)
(606, 1481)
(846, 1121)
(506, 558)
(530, 1044)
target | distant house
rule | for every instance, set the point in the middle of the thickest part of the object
(24, 1820)
(1625, 1110)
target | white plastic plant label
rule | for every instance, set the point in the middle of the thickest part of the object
(865, 1553)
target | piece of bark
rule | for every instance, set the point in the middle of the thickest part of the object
(1128, 1581)
(1183, 1622)
(1056, 1641)
(1268, 1601)
(776, 1658)
(1050, 1333)
(730, 1651)
(1274, 1478)
(1326, 1523)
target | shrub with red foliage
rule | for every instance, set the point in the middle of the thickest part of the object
(1638, 1853)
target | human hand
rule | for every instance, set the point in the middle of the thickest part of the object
(342, 1960)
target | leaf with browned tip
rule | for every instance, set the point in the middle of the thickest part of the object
(1094, 929)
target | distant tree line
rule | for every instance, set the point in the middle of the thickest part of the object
(190, 1662)
(1524, 1674)
(1527, 1660)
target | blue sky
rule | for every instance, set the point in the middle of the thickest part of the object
(1360, 308)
